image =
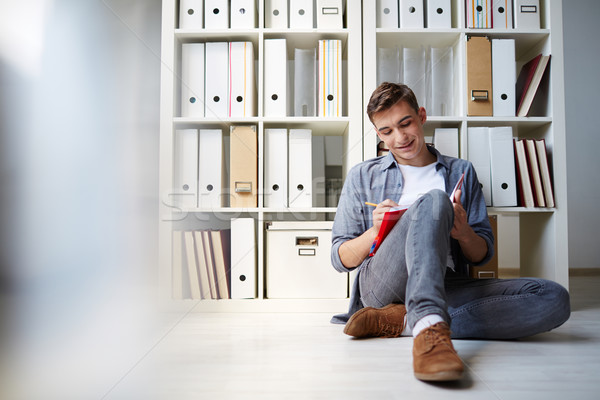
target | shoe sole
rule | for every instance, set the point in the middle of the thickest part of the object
(440, 376)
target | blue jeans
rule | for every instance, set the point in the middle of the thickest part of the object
(410, 268)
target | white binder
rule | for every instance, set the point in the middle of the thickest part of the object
(300, 168)
(441, 99)
(439, 14)
(243, 258)
(242, 14)
(330, 78)
(186, 168)
(192, 80)
(414, 70)
(301, 14)
(411, 14)
(276, 14)
(242, 91)
(502, 165)
(190, 14)
(216, 14)
(387, 14)
(504, 77)
(210, 169)
(527, 14)
(445, 140)
(478, 145)
(217, 79)
(479, 13)
(276, 168)
(502, 15)
(329, 14)
(276, 72)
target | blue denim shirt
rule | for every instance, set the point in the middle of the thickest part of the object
(380, 178)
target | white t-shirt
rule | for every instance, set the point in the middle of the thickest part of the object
(417, 182)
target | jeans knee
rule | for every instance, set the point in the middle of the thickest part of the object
(440, 203)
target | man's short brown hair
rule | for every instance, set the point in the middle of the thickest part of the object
(387, 95)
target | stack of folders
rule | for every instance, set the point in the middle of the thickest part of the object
(288, 168)
(533, 173)
(201, 264)
(491, 76)
(329, 14)
(502, 14)
(414, 14)
(199, 180)
(217, 80)
(200, 177)
(428, 71)
(490, 150)
(217, 14)
(318, 79)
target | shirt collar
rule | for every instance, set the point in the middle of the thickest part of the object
(389, 161)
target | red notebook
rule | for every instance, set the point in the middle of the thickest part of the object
(391, 217)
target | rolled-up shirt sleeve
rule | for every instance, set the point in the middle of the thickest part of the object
(350, 220)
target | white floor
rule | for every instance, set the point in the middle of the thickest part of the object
(303, 356)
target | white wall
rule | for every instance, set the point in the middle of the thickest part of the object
(582, 91)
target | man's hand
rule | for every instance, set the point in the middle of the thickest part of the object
(381, 209)
(472, 245)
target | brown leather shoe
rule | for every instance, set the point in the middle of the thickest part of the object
(377, 322)
(434, 357)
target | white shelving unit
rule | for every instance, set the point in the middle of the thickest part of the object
(543, 242)
(349, 127)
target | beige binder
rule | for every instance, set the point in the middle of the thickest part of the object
(479, 76)
(243, 167)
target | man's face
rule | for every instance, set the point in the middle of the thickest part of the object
(401, 129)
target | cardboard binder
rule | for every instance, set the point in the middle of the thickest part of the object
(479, 13)
(478, 148)
(330, 14)
(490, 269)
(479, 76)
(504, 77)
(300, 168)
(242, 87)
(192, 80)
(502, 15)
(439, 14)
(276, 168)
(216, 14)
(387, 13)
(210, 169)
(502, 163)
(276, 14)
(527, 14)
(243, 258)
(275, 73)
(186, 168)
(243, 168)
(242, 14)
(330, 78)
(217, 79)
(301, 14)
(191, 14)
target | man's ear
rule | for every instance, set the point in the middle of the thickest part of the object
(422, 115)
